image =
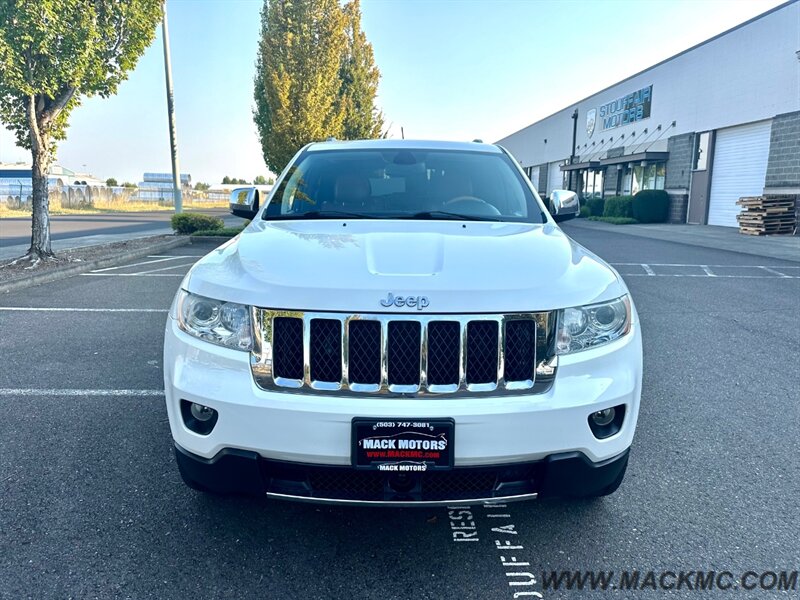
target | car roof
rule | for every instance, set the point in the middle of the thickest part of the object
(402, 144)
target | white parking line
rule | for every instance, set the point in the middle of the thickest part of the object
(164, 268)
(775, 272)
(707, 271)
(139, 264)
(648, 270)
(76, 392)
(65, 309)
(132, 275)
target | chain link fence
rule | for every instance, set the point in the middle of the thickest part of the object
(19, 196)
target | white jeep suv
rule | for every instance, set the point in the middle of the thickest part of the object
(402, 323)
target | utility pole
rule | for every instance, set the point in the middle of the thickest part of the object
(574, 137)
(173, 143)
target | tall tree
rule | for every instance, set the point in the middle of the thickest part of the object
(297, 84)
(53, 52)
(360, 77)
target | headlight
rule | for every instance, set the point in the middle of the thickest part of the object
(592, 325)
(223, 323)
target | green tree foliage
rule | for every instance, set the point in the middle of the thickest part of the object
(360, 77)
(130, 185)
(260, 180)
(202, 187)
(226, 180)
(111, 182)
(53, 52)
(315, 77)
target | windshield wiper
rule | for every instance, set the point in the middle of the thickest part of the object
(441, 214)
(320, 214)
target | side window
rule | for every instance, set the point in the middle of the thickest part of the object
(700, 162)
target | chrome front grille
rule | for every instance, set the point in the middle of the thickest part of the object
(409, 354)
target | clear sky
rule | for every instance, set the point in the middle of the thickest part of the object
(457, 69)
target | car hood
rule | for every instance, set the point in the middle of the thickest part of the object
(351, 265)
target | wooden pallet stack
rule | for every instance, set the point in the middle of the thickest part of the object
(766, 215)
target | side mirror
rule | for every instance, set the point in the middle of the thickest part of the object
(564, 205)
(244, 202)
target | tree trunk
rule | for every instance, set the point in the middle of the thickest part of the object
(40, 226)
(41, 154)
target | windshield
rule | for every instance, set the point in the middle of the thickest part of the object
(411, 184)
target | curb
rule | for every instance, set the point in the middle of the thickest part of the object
(219, 239)
(99, 263)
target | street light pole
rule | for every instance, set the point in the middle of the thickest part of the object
(574, 137)
(173, 143)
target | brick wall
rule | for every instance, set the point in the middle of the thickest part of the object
(678, 207)
(783, 167)
(679, 163)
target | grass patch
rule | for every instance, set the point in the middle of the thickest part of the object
(615, 220)
(224, 232)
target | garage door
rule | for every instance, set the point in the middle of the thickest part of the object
(534, 171)
(555, 178)
(740, 167)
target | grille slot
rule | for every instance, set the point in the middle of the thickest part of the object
(482, 352)
(326, 350)
(443, 352)
(364, 352)
(404, 352)
(287, 343)
(520, 350)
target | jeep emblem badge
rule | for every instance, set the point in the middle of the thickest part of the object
(418, 302)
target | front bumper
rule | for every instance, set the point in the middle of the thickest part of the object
(316, 429)
(235, 471)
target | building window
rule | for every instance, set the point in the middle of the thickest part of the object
(700, 162)
(648, 177)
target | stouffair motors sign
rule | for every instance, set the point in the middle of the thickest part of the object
(622, 111)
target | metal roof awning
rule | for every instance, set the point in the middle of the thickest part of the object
(634, 158)
(591, 164)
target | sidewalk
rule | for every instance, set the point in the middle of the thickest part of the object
(783, 247)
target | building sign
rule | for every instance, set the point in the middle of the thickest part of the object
(627, 109)
(591, 117)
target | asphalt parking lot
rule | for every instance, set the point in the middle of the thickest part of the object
(91, 503)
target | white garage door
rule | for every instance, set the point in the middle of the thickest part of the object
(555, 178)
(534, 171)
(740, 167)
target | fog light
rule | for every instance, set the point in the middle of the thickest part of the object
(607, 422)
(204, 413)
(601, 418)
(198, 417)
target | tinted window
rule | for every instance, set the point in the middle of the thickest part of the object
(404, 184)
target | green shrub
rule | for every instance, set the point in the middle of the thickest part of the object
(618, 206)
(186, 223)
(224, 232)
(585, 212)
(651, 206)
(596, 206)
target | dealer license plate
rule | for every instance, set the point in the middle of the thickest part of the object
(403, 445)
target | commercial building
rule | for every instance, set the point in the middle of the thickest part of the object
(159, 186)
(716, 122)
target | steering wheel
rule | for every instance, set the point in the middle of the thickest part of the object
(483, 207)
